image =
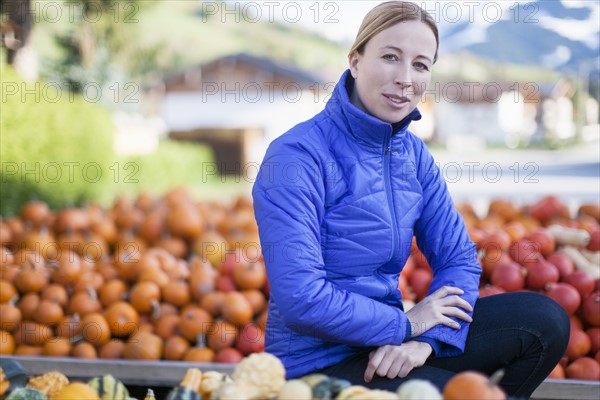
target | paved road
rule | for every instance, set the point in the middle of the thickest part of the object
(523, 175)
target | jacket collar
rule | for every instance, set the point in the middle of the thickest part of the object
(364, 127)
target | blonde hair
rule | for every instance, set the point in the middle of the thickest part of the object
(388, 14)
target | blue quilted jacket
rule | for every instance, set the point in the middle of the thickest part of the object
(338, 199)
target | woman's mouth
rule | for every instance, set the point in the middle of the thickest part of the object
(396, 101)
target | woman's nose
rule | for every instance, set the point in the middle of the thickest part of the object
(403, 78)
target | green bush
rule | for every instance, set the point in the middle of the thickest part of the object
(54, 146)
(61, 151)
(173, 163)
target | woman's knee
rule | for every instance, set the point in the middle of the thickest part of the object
(529, 310)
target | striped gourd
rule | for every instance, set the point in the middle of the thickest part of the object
(109, 388)
(26, 394)
(183, 393)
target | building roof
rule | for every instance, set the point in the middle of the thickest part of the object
(269, 66)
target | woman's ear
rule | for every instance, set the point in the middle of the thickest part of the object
(354, 60)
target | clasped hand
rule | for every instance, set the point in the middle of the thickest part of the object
(435, 309)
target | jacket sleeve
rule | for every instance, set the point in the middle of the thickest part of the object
(288, 201)
(443, 239)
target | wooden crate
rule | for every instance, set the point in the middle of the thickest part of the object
(169, 373)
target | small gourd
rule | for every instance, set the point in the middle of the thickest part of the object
(192, 379)
(77, 391)
(4, 383)
(260, 374)
(211, 382)
(351, 391)
(183, 393)
(322, 390)
(376, 394)
(314, 379)
(295, 389)
(231, 391)
(26, 394)
(416, 389)
(109, 388)
(150, 395)
(337, 385)
(49, 383)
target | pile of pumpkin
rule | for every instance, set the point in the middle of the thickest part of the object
(541, 248)
(173, 278)
(257, 377)
(150, 278)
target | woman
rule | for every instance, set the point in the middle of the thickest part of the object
(338, 200)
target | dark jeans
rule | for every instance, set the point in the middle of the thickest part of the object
(524, 333)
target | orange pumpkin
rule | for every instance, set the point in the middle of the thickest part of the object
(84, 302)
(122, 318)
(112, 291)
(143, 294)
(76, 391)
(212, 302)
(55, 293)
(194, 321)
(200, 353)
(71, 219)
(84, 350)
(222, 334)
(174, 245)
(35, 212)
(257, 300)
(176, 293)
(57, 347)
(7, 291)
(69, 268)
(144, 346)
(28, 351)
(185, 221)
(176, 348)
(32, 333)
(7, 343)
(95, 329)
(471, 385)
(32, 278)
(89, 279)
(112, 349)
(236, 309)
(28, 304)
(167, 325)
(157, 276)
(8, 272)
(69, 326)
(48, 312)
(10, 316)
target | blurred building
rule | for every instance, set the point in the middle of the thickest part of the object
(238, 104)
(477, 114)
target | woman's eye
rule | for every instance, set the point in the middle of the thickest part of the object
(390, 57)
(421, 66)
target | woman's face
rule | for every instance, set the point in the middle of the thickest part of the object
(394, 70)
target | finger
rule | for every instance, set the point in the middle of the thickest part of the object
(447, 290)
(456, 312)
(405, 370)
(451, 323)
(457, 301)
(384, 365)
(395, 368)
(373, 364)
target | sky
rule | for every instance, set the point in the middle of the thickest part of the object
(340, 20)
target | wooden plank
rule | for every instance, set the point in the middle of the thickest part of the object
(567, 389)
(169, 373)
(163, 373)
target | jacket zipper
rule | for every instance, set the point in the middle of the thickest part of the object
(388, 189)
